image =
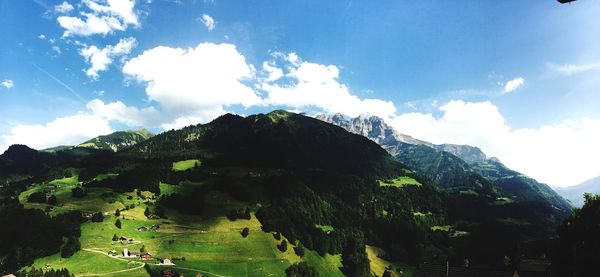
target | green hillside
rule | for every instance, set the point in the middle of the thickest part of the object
(117, 140)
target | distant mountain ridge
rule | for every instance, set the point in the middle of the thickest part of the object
(118, 140)
(455, 168)
(575, 193)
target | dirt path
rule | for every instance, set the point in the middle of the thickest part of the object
(142, 264)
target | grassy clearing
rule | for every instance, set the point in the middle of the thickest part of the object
(325, 228)
(503, 201)
(211, 244)
(185, 165)
(444, 228)
(399, 182)
(420, 214)
(379, 265)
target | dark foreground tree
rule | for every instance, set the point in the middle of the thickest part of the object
(577, 250)
(301, 269)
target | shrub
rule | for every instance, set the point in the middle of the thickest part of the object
(245, 232)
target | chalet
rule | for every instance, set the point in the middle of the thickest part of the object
(154, 227)
(127, 254)
(142, 228)
(146, 256)
(112, 253)
(123, 239)
(166, 262)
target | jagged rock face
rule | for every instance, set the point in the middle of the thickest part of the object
(372, 127)
(469, 154)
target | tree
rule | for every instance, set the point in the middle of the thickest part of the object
(387, 273)
(78, 192)
(299, 250)
(52, 200)
(115, 238)
(283, 246)
(117, 212)
(147, 212)
(245, 232)
(97, 217)
(577, 250)
(143, 249)
(71, 246)
(118, 223)
(37, 197)
(301, 269)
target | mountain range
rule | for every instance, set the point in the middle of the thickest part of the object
(457, 169)
(256, 195)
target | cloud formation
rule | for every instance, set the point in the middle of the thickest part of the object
(100, 59)
(8, 84)
(513, 84)
(69, 130)
(208, 21)
(571, 69)
(64, 7)
(116, 15)
(306, 84)
(195, 83)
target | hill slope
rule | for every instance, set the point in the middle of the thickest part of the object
(462, 169)
(117, 140)
(319, 188)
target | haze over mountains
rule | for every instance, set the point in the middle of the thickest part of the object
(575, 193)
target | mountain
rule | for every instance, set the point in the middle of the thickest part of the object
(467, 153)
(575, 193)
(302, 189)
(118, 140)
(252, 196)
(458, 169)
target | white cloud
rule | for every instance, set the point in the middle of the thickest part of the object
(100, 59)
(64, 7)
(68, 130)
(195, 82)
(513, 84)
(116, 15)
(8, 84)
(208, 21)
(42, 36)
(571, 69)
(307, 84)
(561, 154)
(56, 49)
(127, 115)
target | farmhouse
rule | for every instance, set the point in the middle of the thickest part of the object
(142, 228)
(166, 262)
(146, 256)
(154, 227)
(112, 253)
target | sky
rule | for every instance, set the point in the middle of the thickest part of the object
(519, 79)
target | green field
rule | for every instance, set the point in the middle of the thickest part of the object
(185, 165)
(325, 228)
(379, 265)
(210, 244)
(399, 182)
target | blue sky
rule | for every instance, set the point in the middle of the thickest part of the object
(520, 79)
